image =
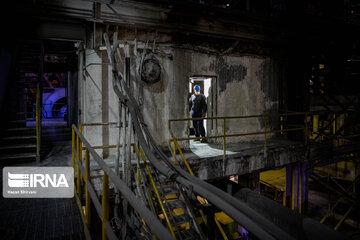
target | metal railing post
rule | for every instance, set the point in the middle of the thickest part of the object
(315, 126)
(80, 146)
(174, 149)
(72, 148)
(105, 204)
(157, 194)
(78, 176)
(281, 125)
(87, 194)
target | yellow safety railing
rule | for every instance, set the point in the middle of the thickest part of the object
(83, 174)
(102, 208)
(224, 136)
(175, 145)
(141, 153)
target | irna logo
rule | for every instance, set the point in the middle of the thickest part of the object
(37, 180)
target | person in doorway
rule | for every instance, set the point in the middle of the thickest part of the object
(198, 108)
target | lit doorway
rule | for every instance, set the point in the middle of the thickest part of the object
(208, 87)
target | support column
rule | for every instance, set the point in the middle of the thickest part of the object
(105, 102)
(296, 190)
(288, 186)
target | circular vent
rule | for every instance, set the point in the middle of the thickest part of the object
(151, 70)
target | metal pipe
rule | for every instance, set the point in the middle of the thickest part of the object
(230, 205)
(157, 194)
(72, 148)
(224, 135)
(78, 175)
(154, 224)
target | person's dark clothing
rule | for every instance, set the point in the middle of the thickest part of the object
(198, 106)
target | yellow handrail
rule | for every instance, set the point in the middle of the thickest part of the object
(83, 174)
(265, 117)
(157, 193)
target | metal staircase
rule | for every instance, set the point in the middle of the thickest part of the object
(18, 140)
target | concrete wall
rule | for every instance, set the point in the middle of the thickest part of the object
(246, 85)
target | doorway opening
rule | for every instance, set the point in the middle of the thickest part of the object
(208, 87)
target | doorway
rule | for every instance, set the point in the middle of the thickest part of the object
(208, 87)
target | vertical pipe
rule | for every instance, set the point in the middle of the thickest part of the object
(281, 125)
(72, 148)
(80, 151)
(39, 104)
(174, 149)
(224, 136)
(265, 133)
(105, 205)
(87, 194)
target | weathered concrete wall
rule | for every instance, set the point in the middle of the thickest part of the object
(246, 85)
(101, 103)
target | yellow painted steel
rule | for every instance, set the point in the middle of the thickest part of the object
(192, 173)
(86, 230)
(315, 126)
(174, 150)
(87, 194)
(157, 195)
(72, 147)
(105, 204)
(78, 176)
(238, 117)
(343, 218)
(220, 228)
(183, 157)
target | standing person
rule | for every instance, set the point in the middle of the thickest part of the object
(198, 107)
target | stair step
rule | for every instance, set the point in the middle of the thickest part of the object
(17, 156)
(169, 191)
(181, 219)
(20, 129)
(18, 146)
(18, 121)
(19, 138)
(175, 204)
(189, 234)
